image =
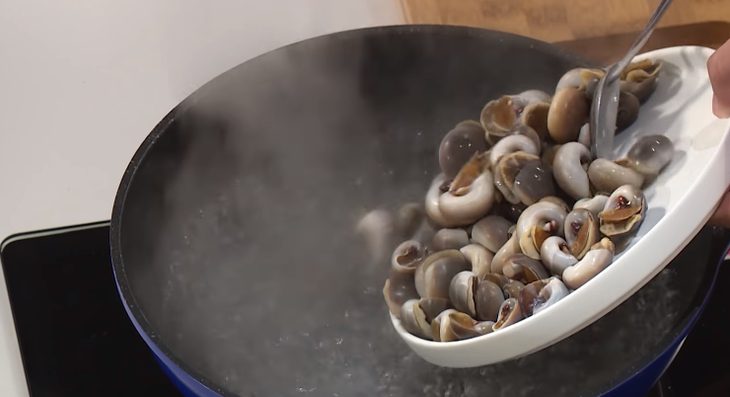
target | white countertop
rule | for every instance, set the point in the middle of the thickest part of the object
(83, 82)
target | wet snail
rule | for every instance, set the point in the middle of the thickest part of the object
(523, 214)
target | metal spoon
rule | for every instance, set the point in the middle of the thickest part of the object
(604, 108)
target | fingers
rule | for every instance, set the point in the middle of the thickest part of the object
(720, 109)
(718, 69)
(721, 217)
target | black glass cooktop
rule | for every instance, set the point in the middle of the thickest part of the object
(75, 337)
(76, 340)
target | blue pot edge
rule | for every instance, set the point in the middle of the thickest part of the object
(185, 382)
(677, 342)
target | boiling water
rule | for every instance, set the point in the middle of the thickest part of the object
(265, 321)
(241, 243)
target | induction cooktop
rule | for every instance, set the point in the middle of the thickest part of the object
(76, 339)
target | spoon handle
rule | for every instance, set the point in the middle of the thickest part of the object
(604, 109)
(616, 69)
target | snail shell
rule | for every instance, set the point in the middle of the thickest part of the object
(581, 78)
(533, 182)
(452, 325)
(498, 116)
(470, 195)
(530, 296)
(548, 154)
(529, 132)
(597, 259)
(584, 136)
(581, 231)
(511, 144)
(459, 145)
(418, 315)
(488, 300)
(529, 97)
(400, 287)
(594, 204)
(433, 276)
(628, 110)
(554, 291)
(507, 170)
(449, 239)
(492, 232)
(556, 255)
(461, 292)
(512, 288)
(432, 204)
(480, 299)
(650, 154)
(509, 313)
(640, 78)
(512, 246)
(538, 222)
(414, 319)
(623, 213)
(535, 116)
(568, 112)
(557, 201)
(479, 258)
(606, 176)
(541, 294)
(524, 269)
(570, 170)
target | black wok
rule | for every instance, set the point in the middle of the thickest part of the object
(233, 230)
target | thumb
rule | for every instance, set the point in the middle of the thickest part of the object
(718, 70)
(720, 109)
(721, 217)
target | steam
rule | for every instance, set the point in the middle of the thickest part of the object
(256, 275)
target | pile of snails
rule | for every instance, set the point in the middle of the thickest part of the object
(522, 213)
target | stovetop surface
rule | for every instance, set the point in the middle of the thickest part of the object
(76, 339)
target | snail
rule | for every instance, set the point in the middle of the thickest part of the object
(521, 213)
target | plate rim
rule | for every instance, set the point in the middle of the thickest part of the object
(476, 351)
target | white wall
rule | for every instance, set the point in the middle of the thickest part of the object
(82, 82)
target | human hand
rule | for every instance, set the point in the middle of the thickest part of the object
(718, 68)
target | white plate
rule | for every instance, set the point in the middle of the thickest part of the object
(679, 203)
